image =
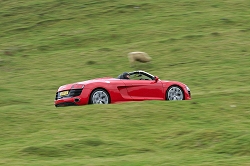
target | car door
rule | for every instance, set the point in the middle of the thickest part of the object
(144, 89)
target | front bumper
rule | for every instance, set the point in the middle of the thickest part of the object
(189, 93)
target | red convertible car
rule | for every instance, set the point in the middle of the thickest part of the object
(140, 86)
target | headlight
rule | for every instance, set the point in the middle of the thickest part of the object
(187, 88)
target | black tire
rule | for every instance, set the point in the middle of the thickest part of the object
(99, 96)
(174, 93)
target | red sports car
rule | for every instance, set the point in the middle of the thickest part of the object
(132, 86)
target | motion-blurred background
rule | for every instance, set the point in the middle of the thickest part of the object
(45, 44)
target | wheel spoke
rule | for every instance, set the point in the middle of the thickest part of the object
(175, 93)
(100, 97)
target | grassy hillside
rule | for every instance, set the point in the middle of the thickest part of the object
(45, 44)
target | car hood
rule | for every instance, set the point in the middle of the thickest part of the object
(174, 82)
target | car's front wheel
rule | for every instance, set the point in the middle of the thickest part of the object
(174, 93)
(99, 96)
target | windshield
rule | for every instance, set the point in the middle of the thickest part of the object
(141, 75)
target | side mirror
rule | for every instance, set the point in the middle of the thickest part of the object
(156, 78)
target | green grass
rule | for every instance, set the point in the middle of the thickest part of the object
(45, 44)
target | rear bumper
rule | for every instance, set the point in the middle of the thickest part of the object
(82, 99)
(65, 104)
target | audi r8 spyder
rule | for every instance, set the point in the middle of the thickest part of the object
(139, 86)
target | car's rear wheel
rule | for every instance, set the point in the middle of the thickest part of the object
(174, 93)
(99, 96)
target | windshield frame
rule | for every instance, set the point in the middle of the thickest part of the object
(141, 72)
